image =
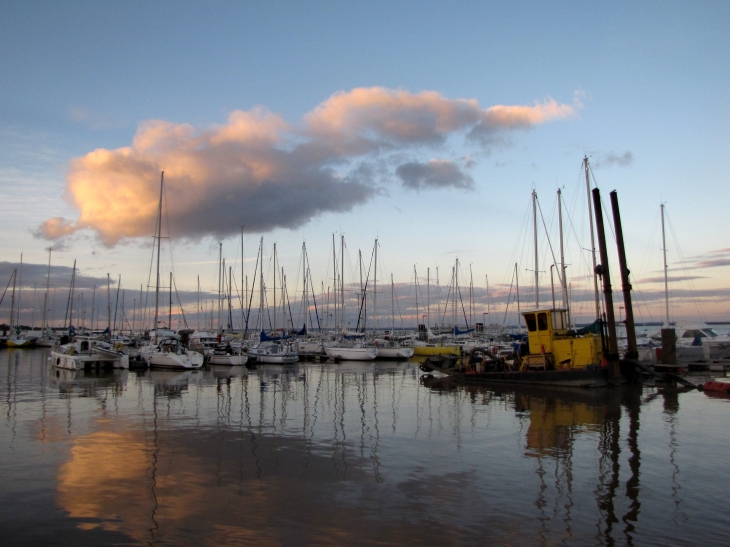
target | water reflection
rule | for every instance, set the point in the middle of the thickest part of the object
(356, 453)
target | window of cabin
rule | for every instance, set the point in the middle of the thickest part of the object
(530, 321)
(559, 322)
(542, 322)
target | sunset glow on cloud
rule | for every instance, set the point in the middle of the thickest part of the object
(260, 171)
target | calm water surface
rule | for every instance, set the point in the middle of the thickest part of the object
(351, 454)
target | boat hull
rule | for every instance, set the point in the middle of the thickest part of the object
(590, 377)
(352, 354)
(436, 350)
(229, 360)
(395, 353)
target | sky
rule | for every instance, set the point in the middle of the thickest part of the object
(424, 125)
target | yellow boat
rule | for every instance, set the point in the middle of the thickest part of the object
(436, 349)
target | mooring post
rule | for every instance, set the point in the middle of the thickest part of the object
(602, 270)
(632, 351)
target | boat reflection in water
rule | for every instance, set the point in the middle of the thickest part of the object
(357, 453)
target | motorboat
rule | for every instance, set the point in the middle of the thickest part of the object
(355, 351)
(171, 353)
(274, 353)
(225, 354)
(84, 352)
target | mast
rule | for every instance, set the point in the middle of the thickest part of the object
(334, 281)
(261, 289)
(243, 291)
(230, 290)
(93, 303)
(169, 313)
(517, 283)
(428, 296)
(71, 298)
(221, 273)
(593, 238)
(392, 305)
(534, 226)
(488, 310)
(275, 273)
(304, 284)
(20, 289)
(12, 299)
(109, 305)
(342, 277)
(45, 298)
(666, 270)
(415, 281)
(375, 288)
(561, 274)
(159, 237)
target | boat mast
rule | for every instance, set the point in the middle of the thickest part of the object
(304, 288)
(415, 282)
(517, 282)
(561, 275)
(428, 297)
(392, 306)
(488, 310)
(375, 288)
(12, 298)
(243, 290)
(666, 270)
(45, 298)
(334, 282)
(159, 237)
(221, 273)
(342, 277)
(169, 313)
(275, 272)
(20, 289)
(534, 226)
(71, 299)
(593, 238)
(261, 289)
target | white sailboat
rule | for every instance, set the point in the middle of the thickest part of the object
(168, 352)
(344, 348)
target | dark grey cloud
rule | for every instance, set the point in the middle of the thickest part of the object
(434, 174)
(611, 159)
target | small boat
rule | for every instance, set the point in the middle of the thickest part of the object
(357, 351)
(274, 353)
(85, 352)
(20, 342)
(170, 353)
(225, 354)
(390, 349)
(550, 354)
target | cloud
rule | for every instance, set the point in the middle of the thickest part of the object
(260, 171)
(434, 174)
(714, 259)
(610, 159)
(671, 278)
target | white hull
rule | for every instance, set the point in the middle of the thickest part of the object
(230, 360)
(352, 354)
(81, 361)
(19, 343)
(394, 353)
(190, 360)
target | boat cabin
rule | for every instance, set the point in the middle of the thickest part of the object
(551, 345)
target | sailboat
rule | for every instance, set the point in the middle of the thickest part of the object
(15, 340)
(344, 347)
(269, 350)
(167, 351)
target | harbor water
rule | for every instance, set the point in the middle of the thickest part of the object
(352, 454)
